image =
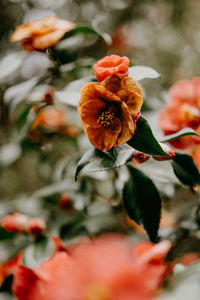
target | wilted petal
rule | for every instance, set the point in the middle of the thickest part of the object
(128, 125)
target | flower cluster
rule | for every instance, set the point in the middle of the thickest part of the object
(110, 109)
(108, 268)
(17, 222)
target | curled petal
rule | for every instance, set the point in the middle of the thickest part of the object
(127, 89)
(93, 90)
(128, 125)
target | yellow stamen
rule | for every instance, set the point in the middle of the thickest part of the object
(106, 118)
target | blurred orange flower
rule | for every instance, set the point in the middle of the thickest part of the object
(110, 65)
(109, 110)
(50, 118)
(107, 268)
(182, 111)
(41, 34)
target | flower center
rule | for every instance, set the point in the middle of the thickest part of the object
(189, 113)
(106, 118)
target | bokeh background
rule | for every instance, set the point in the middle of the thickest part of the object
(160, 34)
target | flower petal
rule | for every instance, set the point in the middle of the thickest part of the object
(94, 90)
(104, 138)
(131, 93)
(128, 125)
(90, 110)
(47, 40)
(127, 89)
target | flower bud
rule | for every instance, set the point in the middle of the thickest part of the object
(140, 157)
(65, 202)
(15, 222)
(168, 150)
(36, 226)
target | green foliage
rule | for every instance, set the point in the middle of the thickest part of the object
(144, 140)
(96, 160)
(142, 201)
(185, 170)
(183, 132)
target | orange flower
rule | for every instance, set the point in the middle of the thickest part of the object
(110, 65)
(107, 268)
(50, 118)
(41, 34)
(183, 111)
(109, 110)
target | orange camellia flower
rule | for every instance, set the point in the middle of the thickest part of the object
(110, 65)
(41, 34)
(107, 268)
(182, 111)
(109, 110)
(50, 118)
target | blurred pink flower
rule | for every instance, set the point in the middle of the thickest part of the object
(182, 111)
(107, 268)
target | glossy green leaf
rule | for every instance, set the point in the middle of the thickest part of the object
(144, 140)
(183, 132)
(185, 169)
(142, 201)
(142, 72)
(95, 160)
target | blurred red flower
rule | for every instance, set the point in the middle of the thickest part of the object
(109, 65)
(50, 118)
(107, 268)
(182, 111)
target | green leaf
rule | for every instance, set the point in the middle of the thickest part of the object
(96, 160)
(185, 169)
(183, 132)
(87, 29)
(37, 252)
(142, 72)
(184, 285)
(142, 201)
(144, 140)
